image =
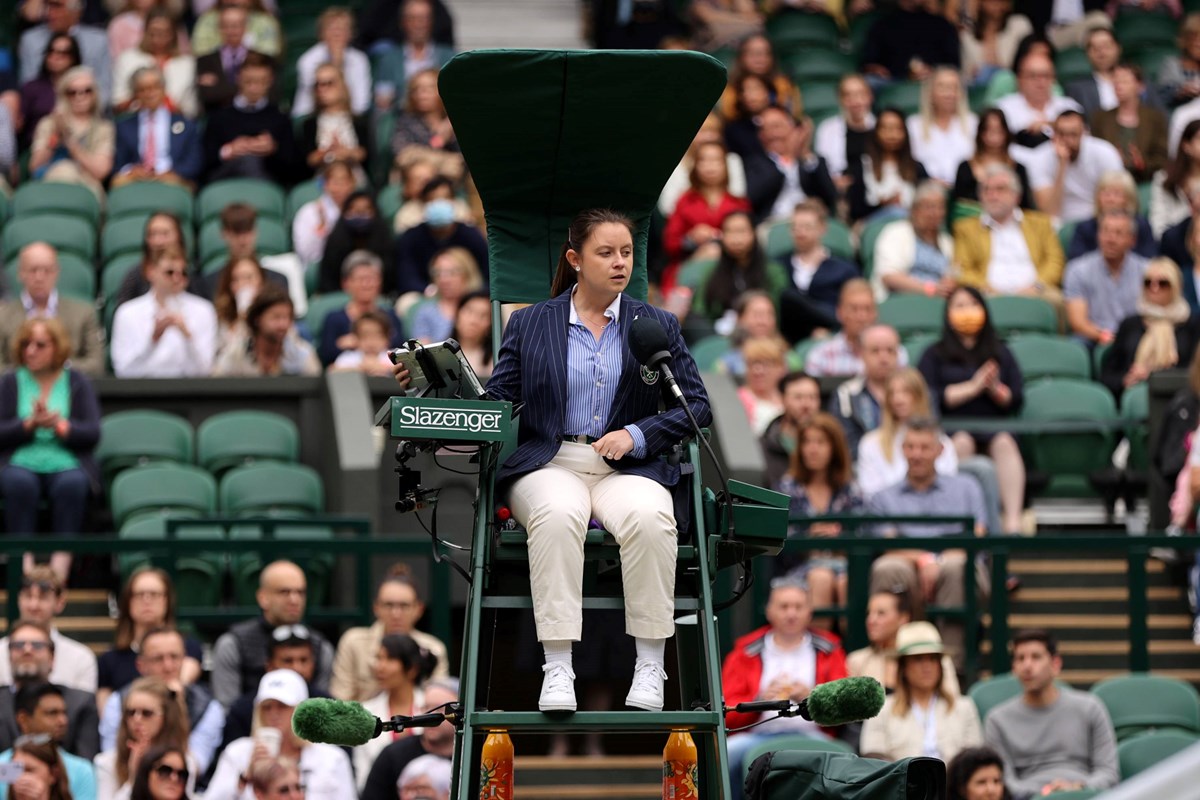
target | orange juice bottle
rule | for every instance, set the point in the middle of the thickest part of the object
(496, 767)
(680, 772)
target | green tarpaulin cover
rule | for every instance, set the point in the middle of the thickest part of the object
(547, 133)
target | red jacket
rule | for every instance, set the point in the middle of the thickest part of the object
(743, 668)
(692, 210)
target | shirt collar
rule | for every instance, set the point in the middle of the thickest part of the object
(51, 304)
(613, 311)
(242, 104)
(988, 221)
(908, 488)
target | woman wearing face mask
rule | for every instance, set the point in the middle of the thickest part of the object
(359, 228)
(972, 374)
(1163, 334)
(417, 246)
(237, 286)
(316, 219)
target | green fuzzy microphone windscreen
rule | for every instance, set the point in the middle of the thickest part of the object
(334, 722)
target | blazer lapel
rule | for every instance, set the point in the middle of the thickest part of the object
(554, 330)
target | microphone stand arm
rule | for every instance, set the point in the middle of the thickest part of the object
(453, 713)
(786, 708)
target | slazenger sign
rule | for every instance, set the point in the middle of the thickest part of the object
(459, 420)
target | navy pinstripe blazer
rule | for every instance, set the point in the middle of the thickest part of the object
(532, 368)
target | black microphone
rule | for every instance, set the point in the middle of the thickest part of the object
(650, 346)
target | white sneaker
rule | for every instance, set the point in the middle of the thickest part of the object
(647, 689)
(558, 687)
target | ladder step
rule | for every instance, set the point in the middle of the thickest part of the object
(608, 603)
(606, 721)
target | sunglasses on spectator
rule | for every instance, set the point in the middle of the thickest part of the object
(285, 632)
(1156, 283)
(84, 92)
(36, 645)
(169, 773)
(171, 272)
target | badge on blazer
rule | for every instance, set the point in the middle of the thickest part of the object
(177, 127)
(649, 376)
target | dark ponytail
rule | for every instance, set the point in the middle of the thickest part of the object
(405, 649)
(577, 233)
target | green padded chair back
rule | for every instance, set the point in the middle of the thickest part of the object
(1069, 458)
(1071, 64)
(114, 272)
(35, 199)
(238, 438)
(866, 250)
(904, 95)
(1065, 234)
(913, 313)
(991, 692)
(143, 199)
(1041, 357)
(1142, 752)
(1012, 314)
(161, 490)
(796, 32)
(1135, 407)
(536, 170)
(792, 742)
(389, 201)
(820, 100)
(1139, 30)
(917, 344)
(198, 577)
(140, 437)
(67, 233)
(266, 197)
(298, 196)
(708, 352)
(319, 306)
(272, 488)
(1141, 702)
(124, 236)
(818, 65)
(76, 277)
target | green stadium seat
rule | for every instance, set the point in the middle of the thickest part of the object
(1014, 314)
(319, 306)
(860, 26)
(1098, 353)
(298, 196)
(5, 208)
(114, 273)
(1138, 30)
(792, 742)
(913, 313)
(123, 236)
(161, 490)
(318, 566)
(1041, 357)
(977, 97)
(708, 352)
(904, 95)
(694, 273)
(264, 196)
(272, 239)
(141, 437)
(1144, 190)
(1141, 702)
(991, 692)
(820, 99)
(916, 346)
(1065, 234)
(1135, 407)
(818, 65)
(381, 162)
(792, 32)
(1142, 752)
(801, 350)
(1069, 459)
(198, 577)
(1151, 59)
(1071, 64)
(389, 201)
(240, 438)
(274, 489)
(35, 199)
(77, 277)
(65, 232)
(143, 199)
(866, 250)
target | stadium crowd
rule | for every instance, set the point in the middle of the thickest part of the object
(942, 158)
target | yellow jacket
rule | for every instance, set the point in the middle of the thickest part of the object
(973, 249)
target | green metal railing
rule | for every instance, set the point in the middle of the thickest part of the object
(861, 550)
(162, 552)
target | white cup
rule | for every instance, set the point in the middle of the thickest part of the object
(270, 738)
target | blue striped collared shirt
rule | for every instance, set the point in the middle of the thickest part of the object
(593, 369)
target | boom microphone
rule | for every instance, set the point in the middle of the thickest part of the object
(349, 724)
(829, 704)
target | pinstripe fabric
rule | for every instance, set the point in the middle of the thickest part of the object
(532, 368)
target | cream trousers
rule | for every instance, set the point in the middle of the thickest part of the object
(555, 503)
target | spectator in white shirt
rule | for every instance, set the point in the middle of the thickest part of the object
(880, 452)
(1065, 171)
(316, 218)
(1033, 108)
(1170, 187)
(43, 597)
(165, 333)
(335, 28)
(942, 134)
(843, 138)
(159, 48)
(915, 255)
